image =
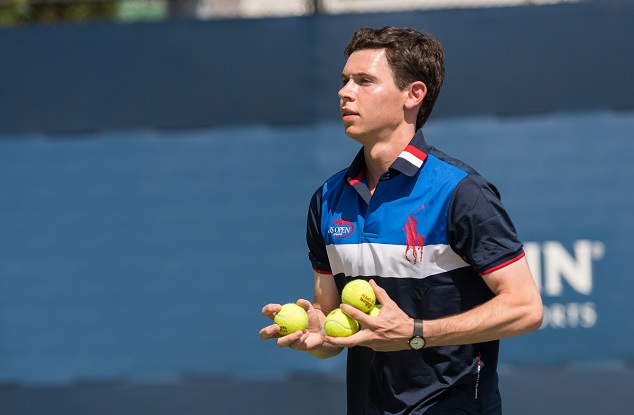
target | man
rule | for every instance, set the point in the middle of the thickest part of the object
(429, 233)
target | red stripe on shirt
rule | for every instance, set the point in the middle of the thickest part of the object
(358, 178)
(318, 271)
(416, 152)
(510, 261)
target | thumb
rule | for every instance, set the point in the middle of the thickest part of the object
(313, 318)
(305, 304)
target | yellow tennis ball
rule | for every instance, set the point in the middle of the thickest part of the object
(339, 324)
(291, 318)
(375, 310)
(359, 294)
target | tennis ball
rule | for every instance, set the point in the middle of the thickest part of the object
(291, 318)
(339, 324)
(359, 294)
(375, 310)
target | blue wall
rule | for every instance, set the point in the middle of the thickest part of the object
(149, 255)
(154, 183)
(199, 74)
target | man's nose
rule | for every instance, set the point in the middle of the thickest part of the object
(346, 91)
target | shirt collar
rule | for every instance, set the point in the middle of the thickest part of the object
(408, 162)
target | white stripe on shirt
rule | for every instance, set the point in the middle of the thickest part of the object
(389, 261)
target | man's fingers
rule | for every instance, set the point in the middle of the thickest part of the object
(349, 341)
(270, 310)
(381, 294)
(289, 339)
(270, 332)
(355, 313)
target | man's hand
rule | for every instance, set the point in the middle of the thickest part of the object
(387, 332)
(310, 339)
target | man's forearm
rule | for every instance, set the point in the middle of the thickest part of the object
(499, 318)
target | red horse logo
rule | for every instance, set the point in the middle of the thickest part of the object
(415, 242)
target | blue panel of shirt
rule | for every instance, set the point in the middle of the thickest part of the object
(408, 204)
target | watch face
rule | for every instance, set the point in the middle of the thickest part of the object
(417, 343)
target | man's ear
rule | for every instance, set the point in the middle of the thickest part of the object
(416, 92)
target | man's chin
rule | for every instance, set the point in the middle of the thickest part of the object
(356, 138)
(360, 138)
(352, 132)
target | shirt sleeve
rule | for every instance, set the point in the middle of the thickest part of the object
(479, 228)
(316, 245)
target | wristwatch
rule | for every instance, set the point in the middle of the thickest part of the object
(417, 341)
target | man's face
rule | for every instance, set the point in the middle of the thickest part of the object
(371, 104)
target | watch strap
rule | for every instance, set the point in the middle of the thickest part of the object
(418, 327)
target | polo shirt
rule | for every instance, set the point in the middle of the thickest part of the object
(432, 229)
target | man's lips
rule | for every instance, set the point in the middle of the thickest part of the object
(346, 113)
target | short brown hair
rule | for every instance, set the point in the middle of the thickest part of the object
(413, 56)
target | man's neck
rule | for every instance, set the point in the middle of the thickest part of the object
(380, 155)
